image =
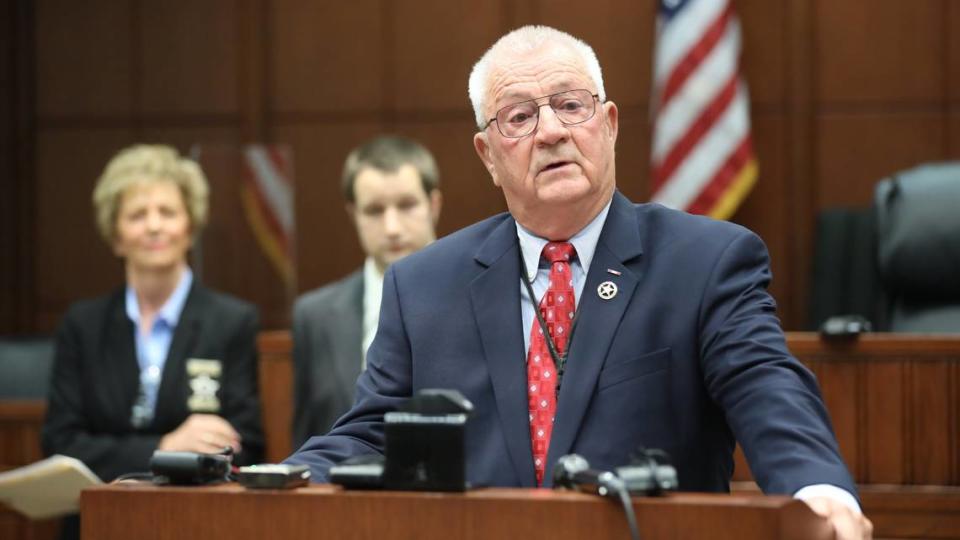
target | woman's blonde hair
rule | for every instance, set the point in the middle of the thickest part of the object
(149, 163)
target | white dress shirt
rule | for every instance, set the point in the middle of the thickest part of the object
(372, 295)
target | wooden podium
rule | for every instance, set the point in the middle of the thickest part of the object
(146, 512)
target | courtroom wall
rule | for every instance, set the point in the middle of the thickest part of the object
(842, 94)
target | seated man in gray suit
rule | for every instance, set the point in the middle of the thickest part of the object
(391, 189)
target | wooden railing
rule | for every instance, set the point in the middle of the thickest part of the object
(20, 422)
(894, 400)
(157, 513)
(895, 404)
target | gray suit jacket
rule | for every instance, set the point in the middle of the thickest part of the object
(327, 353)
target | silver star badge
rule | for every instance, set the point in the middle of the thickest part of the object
(607, 290)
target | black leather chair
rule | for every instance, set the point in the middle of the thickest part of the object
(917, 215)
(845, 278)
(25, 365)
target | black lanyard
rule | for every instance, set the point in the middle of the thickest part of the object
(559, 361)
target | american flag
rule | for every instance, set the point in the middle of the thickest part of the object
(702, 155)
(267, 196)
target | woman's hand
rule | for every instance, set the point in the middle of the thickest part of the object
(203, 433)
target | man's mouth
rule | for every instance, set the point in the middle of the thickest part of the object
(555, 165)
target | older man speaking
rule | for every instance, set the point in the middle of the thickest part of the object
(581, 322)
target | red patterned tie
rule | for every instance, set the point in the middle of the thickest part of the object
(558, 308)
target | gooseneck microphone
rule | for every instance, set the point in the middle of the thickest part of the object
(573, 471)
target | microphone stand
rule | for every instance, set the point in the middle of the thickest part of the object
(574, 472)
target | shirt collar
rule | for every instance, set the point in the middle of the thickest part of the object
(585, 242)
(371, 274)
(171, 310)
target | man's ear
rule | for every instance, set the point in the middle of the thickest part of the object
(436, 202)
(482, 145)
(612, 117)
(351, 209)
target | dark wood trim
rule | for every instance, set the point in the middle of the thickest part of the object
(801, 196)
(154, 120)
(893, 399)
(902, 511)
(17, 140)
(22, 410)
(916, 346)
(476, 514)
(8, 251)
(275, 344)
(137, 123)
(252, 83)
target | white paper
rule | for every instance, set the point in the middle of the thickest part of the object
(48, 488)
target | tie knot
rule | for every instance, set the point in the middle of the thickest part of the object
(558, 251)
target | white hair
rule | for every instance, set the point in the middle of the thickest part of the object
(523, 40)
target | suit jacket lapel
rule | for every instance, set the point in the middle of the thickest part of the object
(171, 397)
(349, 331)
(120, 359)
(495, 294)
(597, 323)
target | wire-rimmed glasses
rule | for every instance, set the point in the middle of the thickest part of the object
(521, 119)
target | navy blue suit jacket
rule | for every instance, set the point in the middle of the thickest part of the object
(688, 356)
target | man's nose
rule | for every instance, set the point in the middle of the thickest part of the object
(391, 221)
(550, 130)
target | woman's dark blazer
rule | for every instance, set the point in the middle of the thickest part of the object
(95, 380)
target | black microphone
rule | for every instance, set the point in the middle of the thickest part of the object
(189, 468)
(573, 471)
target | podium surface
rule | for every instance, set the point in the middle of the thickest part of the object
(143, 511)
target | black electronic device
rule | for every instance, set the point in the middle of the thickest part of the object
(573, 472)
(841, 327)
(189, 468)
(648, 473)
(424, 444)
(359, 472)
(271, 476)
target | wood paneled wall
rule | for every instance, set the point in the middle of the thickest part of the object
(20, 426)
(843, 93)
(893, 400)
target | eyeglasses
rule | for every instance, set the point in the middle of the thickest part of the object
(521, 119)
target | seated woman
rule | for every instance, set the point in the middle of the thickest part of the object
(162, 363)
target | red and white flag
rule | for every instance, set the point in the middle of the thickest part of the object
(702, 155)
(267, 195)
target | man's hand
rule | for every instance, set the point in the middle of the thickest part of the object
(847, 524)
(204, 433)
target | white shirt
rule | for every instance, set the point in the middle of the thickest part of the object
(372, 295)
(585, 242)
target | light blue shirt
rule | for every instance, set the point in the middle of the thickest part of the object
(153, 347)
(531, 246)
